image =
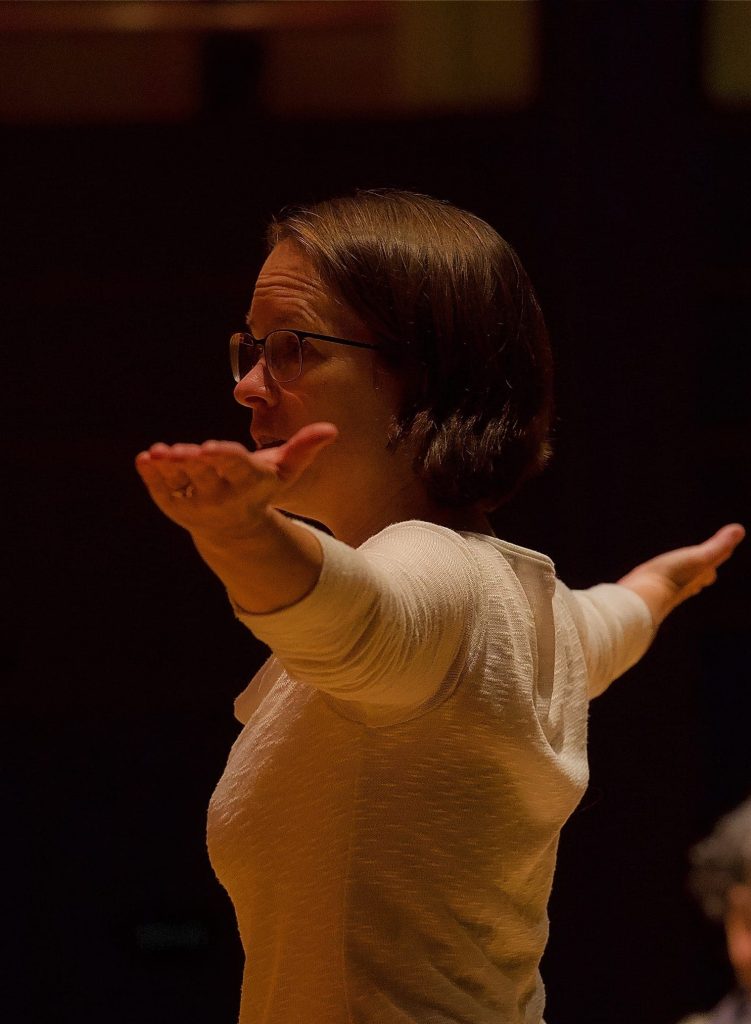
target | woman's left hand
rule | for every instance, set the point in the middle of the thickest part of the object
(669, 579)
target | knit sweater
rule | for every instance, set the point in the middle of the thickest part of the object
(388, 820)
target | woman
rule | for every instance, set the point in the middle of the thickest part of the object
(388, 820)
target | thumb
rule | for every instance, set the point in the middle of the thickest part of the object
(302, 449)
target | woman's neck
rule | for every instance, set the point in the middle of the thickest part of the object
(355, 523)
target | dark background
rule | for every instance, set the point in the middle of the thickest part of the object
(129, 255)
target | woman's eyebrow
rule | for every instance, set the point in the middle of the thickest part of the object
(283, 322)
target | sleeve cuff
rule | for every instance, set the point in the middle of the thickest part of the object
(331, 597)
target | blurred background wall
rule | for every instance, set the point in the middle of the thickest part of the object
(144, 147)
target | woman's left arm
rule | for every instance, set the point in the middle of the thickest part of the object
(667, 580)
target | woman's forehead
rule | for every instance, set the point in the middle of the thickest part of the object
(289, 285)
(288, 270)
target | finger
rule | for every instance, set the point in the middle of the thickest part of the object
(182, 470)
(197, 481)
(175, 476)
(160, 451)
(153, 478)
(224, 447)
(688, 570)
(169, 460)
(184, 464)
(718, 548)
(294, 457)
(693, 562)
(204, 478)
(184, 451)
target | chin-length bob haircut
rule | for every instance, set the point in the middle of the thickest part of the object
(455, 316)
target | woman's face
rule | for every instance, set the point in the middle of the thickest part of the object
(338, 384)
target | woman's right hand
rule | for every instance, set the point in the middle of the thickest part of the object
(219, 489)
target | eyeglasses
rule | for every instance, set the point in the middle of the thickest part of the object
(282, 349)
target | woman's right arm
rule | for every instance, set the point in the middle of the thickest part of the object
(384, 624)
(381, 627)
(265, 560)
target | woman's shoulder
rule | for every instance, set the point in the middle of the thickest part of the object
(486, 556)
(420, 530)
(410, 531)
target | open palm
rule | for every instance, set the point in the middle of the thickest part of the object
(222, 488)
(667, 580)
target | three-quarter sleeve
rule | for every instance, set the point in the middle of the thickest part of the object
(385, 623)
(615, 628)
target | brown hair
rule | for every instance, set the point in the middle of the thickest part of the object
(455, 315)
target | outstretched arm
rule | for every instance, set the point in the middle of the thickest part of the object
(669, 579)
(225, 496)
(380, 629)
(617, 629)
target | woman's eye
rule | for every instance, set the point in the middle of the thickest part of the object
(310, 351)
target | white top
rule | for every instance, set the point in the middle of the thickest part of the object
(388, 820)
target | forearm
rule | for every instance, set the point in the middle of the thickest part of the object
(616, 629)
(270, 565)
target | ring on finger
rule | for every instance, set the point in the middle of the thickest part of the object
(187, 491)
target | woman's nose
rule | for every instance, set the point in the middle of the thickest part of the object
(256, 387)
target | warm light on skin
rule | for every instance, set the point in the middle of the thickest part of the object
(738, 932)
(357, 486)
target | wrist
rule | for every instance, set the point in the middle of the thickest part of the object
(269, 563)
(653, 592)
(253, 529)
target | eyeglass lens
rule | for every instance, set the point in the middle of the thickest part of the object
(283, 355)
